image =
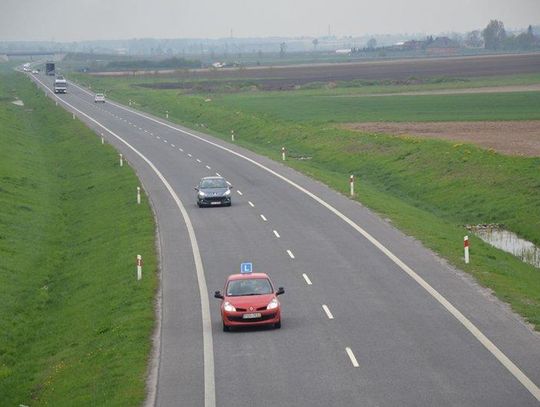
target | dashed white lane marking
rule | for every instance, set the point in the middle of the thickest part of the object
(217, 173)
(181, 149)
(352, 357)
(140, 128)
(165, 141)
(251, 204)
(151, 134)
(291, 255)
(146, 131)
(263, 218)
(239, 192)
(159, 138)
(208, 167)
(328, 313)
(277, 234)
(189, 155)
(198, 160)
(308, 281)
(173, 146)
(228, 183)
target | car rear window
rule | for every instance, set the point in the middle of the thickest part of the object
(253, 286)
(213, 183)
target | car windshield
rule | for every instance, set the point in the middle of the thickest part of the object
(213, 183)
(254, 286)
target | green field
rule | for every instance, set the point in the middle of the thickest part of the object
(76, 325)
(429, 189)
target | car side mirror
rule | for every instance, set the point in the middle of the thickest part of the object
(195, 188)
(218, 294)
(280, 291)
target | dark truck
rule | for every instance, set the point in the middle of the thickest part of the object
(49, 68)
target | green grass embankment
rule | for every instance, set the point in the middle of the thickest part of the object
(76, 325)
(430, 189)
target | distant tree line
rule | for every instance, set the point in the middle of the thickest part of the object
(496, 38)
(169, 63)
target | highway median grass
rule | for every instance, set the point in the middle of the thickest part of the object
(76, 325)
(430, 189)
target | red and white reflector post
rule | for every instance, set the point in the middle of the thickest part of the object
(139, 267)
(121, 160)
(466, 248)
(138, 195)
(232, 135)
(283, 153)
(351, 182)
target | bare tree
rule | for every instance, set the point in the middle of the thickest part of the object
(315, 43)
(282, 49)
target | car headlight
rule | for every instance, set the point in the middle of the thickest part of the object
(273, 304)
(227, 192)
(227, 306)
(201, 193)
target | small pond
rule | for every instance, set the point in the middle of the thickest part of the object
(509, 242)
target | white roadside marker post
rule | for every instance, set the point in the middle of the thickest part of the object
(139, 267)
(73, 116)
(121, 160)
(138, 195)
(102, 139)
(466, 248)
(351, 182)
(283, 153)
(232, 135)
(166, 114)
(130, 102)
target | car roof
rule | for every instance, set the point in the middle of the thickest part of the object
(247, 276)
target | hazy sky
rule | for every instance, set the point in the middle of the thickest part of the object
(76, 20)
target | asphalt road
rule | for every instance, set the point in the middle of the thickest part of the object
(410, 348)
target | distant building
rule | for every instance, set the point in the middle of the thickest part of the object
(442, 46)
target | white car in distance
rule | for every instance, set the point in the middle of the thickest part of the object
(99, 98)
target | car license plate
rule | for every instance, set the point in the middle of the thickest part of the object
(251, 316)
(215, 203)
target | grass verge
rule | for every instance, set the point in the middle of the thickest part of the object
(430, 189)
(76, 325)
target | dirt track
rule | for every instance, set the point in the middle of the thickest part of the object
(507, 137)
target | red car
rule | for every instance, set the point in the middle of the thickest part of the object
(249, 299)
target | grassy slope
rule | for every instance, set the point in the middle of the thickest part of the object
(429, 188)
(75, 326)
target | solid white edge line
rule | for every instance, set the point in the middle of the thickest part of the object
(484, 340)
(291, 255)
(277, 234)
(263, 218)
(251, 204)
(352, 357)
(327, 310)
(308, 281)
(208, 346)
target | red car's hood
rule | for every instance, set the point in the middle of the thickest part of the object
(255, 301)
